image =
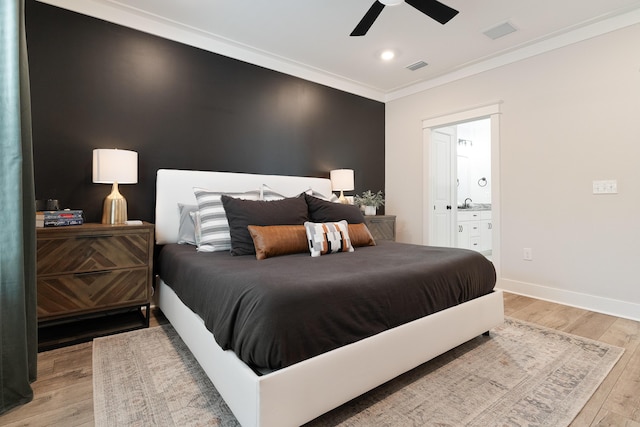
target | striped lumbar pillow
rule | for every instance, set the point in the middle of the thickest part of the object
(328, 237)
(214, 227)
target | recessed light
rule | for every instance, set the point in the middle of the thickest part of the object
(387, 55)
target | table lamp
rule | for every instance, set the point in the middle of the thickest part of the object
(342, 180)
(113, 166)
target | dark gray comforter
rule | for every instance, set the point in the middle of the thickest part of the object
(279, 311)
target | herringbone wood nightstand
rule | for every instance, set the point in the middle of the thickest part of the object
(92, 279)
(382, 227)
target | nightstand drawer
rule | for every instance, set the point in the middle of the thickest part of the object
(382, 227)
(71, 294)
(91, 252)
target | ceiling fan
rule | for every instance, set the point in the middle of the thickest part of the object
(432, 8)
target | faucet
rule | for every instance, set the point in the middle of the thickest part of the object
(466, 205)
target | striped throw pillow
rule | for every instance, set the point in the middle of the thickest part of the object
(328, 237)
(214, 227)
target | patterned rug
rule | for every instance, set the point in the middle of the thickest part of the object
(522, 375)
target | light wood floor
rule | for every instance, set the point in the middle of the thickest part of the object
(63, 393)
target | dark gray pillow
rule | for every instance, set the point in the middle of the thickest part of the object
(323, 211)
(243, 213)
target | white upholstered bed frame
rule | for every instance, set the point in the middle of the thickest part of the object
(301, 392)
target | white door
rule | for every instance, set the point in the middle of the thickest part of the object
(442, 188)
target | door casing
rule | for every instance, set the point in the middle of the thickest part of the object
(491, 111)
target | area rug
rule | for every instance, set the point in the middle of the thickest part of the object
(521, 375)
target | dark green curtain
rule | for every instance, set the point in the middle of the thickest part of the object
(18, 318)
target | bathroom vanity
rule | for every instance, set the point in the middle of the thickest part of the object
(474, 228)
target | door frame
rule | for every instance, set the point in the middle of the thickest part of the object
(491, 111)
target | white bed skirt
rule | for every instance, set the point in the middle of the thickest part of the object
(299, 393)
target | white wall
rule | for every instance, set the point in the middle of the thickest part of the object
(569, 116)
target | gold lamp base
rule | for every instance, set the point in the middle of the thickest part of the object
(114, 210)
(343, 199)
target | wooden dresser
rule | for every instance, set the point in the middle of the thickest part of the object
(382, 227)
(92, 279)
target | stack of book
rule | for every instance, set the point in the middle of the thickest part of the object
(59, 218)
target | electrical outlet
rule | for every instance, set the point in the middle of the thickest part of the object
(527, 254)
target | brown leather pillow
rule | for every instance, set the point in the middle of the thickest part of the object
(275, 240)
(360, 235)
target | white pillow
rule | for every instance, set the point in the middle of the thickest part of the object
(331, 198)
(186, 229)
(195, 217)
(214, 227)
(268, 193)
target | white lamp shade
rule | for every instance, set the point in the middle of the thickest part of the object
(342, 179)
(113, 165)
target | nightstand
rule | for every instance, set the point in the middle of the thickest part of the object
(382, 227)
(92, 280)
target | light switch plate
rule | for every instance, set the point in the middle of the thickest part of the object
(609, 186)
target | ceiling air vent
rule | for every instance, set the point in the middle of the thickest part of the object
(500, 30)
(416, 65)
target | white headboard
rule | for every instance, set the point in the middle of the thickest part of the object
(176, 186)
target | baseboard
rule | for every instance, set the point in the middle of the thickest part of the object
(613, 307)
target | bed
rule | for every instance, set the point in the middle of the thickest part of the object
(297, 389)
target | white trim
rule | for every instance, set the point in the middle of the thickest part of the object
(427, 202)
(609, 306)
(496, 194)
(522, 52)
(486, 110)
(458, 116)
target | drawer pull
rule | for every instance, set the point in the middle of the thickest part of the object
(93, 236)
(89, 273)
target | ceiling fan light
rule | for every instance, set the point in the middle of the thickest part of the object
(391, 2)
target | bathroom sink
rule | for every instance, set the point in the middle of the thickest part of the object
(476, 207)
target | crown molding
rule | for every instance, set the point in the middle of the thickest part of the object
(522, 52)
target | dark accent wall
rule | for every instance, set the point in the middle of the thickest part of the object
(99, 85)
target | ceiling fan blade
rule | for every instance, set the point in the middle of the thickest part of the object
(434, 9)
(368, 20)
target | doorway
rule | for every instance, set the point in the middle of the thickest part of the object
(462, 204)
